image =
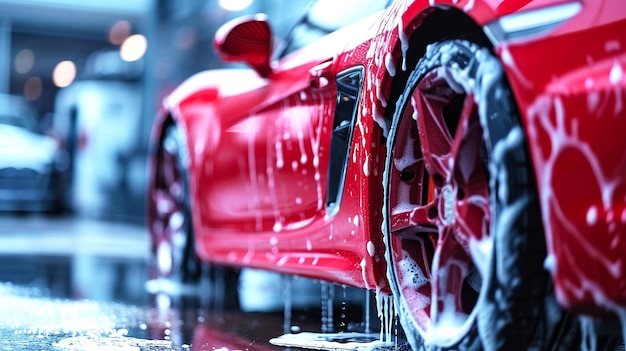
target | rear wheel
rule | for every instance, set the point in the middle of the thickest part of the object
(174, 260)
(173, 252)
(463, 231)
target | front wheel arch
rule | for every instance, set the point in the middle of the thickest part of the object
(431, 26)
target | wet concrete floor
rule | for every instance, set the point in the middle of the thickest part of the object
(76, 284)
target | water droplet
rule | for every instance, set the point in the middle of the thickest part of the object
(592, 215)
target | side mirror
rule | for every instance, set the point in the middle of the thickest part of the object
(248, 40)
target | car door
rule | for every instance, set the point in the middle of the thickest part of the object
(275, 161)
(272, 165)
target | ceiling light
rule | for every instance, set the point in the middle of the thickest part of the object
(33, 88)
(235, 5)
(64, 74)
(133, 48)
(24, 61)
(119, 31)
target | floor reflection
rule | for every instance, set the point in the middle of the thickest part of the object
(70, 257)
(36, 320)
(75, 284)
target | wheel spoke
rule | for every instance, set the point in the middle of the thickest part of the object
(467, 146)
(165, 203)
(429, 100)
(408, 182)
(412, 262)
(472, 220)
(170, 214)
(169, 170)
(450, 267)
(420, 218)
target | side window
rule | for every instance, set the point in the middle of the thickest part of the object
(326, 16)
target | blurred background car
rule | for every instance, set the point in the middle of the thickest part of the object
(33, 166)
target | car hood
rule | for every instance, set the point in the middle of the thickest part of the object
(20, 148)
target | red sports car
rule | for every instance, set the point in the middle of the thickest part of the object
(467, 157)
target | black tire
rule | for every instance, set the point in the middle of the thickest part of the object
(478, 167)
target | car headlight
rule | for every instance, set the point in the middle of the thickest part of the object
(521, 25)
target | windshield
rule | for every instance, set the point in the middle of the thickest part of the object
(326, 16)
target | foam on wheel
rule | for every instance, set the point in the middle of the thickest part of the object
(465, 245)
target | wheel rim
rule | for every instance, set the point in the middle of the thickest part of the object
(439, 214)
(169, 199)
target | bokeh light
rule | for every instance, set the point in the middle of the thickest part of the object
(119, 31)
(24, 61)
(64, 74)
(33, 88)
(235, 5)
(133, 48)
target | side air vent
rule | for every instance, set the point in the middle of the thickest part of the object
(348, 87)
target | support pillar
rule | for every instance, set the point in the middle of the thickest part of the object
(5, 55)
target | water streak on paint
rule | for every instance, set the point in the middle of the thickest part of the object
(592, 216)
(549, 115)
(254, 182)
(469, 6)
(363, 265)
(404, 43)
(390, 65)
(617, 73)
(303, 156)
(371, 249)
(280, 161)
